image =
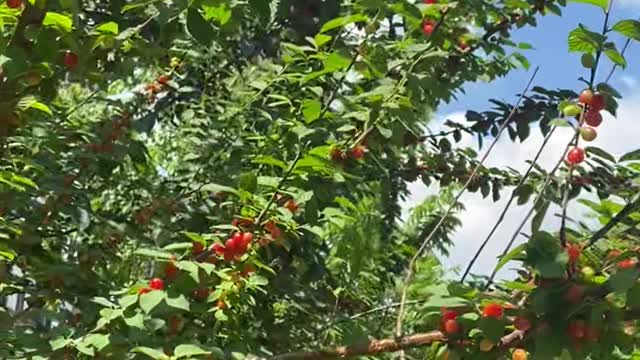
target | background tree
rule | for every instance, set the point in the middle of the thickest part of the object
(223, 179)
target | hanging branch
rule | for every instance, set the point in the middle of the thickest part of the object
(375, 347)
(546, 183)
(508, 205)
(427, 240)
(620, 216)
(576, 141)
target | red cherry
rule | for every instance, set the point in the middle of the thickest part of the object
(586, 96)
(144, 291)
(231, 246)
(427, 27)
(291, 206)
(247, 238)
(627, 264)
(593, 118)
(573, 251)
(522, 324)
(71, 60)
(156, 284)
(429, 2)
(336, 154)
(588, 133)
(221, 305)
(575, 156)
(614, 253)
(451, 327)
(357, 152)
(576, 329)
(163, 79)
(170, 270)
(14, 4)
(218, 249)
(493, 310)
(197, 248)
(574, 294)
(598, 102)
(448, 315)
(229, 256)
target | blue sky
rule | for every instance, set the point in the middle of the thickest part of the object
(558, 69)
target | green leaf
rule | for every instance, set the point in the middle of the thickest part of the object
(220, 13)
(29, 102)
(342, 21)
(599, 3)
(153, 353)
(321, 39)
(493, 329)
(541, 212)
(151, 299)
(104, 302)
(59, 21)
(514, 254)
(583, 40)
(136, 321)
(127, 301)
(615, 56)
(187, 350)
(336, 61)
(311, 110)
(199, 28)
(248, 181)
(190, 267)
(623, 280)
(108, 28)
(600, 153)
(215, 188)
(156, 254)
(179, 302)
(630, 156)
(560, 122)
(137, 4)
(628, 28)
(59, 343)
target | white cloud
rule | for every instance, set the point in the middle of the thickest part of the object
(617, 136)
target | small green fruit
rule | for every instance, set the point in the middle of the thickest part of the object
(588, 272)
(588, 133)
(572, 110)
(587, 61)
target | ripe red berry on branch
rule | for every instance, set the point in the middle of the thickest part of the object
(144, 290)
(598, 102)
(429, 2)
(170, 270)
(493, 310)
(357, 152)
(217, 249)
(593, 118)
(575, 156)
(576, 329)
(574, 294)
(197, 248)
(163, 79)
(451, 327)
(156, 284)
(428, 26)
(291, 206)
(586, 96)
(588, 133)
(14, 4)
(71, 60)
(337, 154)
(627, 264)
(574, 252)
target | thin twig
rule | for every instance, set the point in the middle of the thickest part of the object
(278, 188)
(566, 187)
(508, 205)
(621, 215)
(427, 240)
(535, 204)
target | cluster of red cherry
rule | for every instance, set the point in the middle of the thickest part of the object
(450, 326)
(589, 117)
